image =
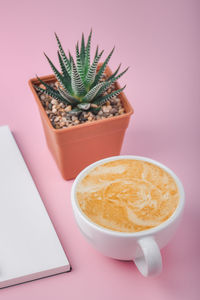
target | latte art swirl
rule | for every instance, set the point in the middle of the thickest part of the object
(127, 195)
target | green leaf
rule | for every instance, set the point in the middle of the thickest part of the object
(59, 77)
(92, 93)
(68, 97)
(50, 92)
(92, 70)
(104, 99)
(114, 74)
(64, 57)
(46, 85)
(67, 78)
(87, 53)
(79, 63)
(97, 50)
(82, 51)
(102, 69)
(70, 58)
(77, 84)
(107, 84)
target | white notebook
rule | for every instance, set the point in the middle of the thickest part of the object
(29, 246)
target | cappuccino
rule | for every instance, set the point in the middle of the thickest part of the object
(127, 195)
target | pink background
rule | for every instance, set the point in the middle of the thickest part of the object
(159, 40)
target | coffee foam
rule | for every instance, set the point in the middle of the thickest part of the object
(127, 195)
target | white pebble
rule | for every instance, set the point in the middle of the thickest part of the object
(42, 86)
(68, 108)
(54, 101)
(100, 113)
(121, 111)
(42, 97)
(56, 119)
(74, 118)
(105, 109)
(63, 119)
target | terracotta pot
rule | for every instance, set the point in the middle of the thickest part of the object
(76, 147)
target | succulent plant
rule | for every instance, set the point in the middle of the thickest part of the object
(79, 84)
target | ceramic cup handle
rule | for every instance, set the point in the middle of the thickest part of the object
(150, 263)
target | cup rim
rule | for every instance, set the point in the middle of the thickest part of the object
(142, 233)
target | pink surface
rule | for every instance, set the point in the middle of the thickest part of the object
(159, 40)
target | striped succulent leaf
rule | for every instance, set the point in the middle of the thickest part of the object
(59, 77)
(89, 79)
(66, 76)
(87, 54)
(51, 92)
(102, 69)
(92, 93)
(70, 57)
(82, 51)
(102, 100)
(68, 97)
(97, 51)
(64, 57)
(108, 83)
(79, 63)
(114, 74)
(77, 84)
(48, 88)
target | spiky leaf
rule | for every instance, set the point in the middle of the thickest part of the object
(92, 93)
(70, 58)
(97, 51)
(64, 57)
(59, 76)
(68, 97)
(104, 99)
(108, 83)
(79, 63)
(114, 74)
(92, 70)
(102, 69)
(77, 84)
(82, 51)
(87, 53)
(67, 78)
(51, 92)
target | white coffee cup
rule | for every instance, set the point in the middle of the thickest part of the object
(142, 247)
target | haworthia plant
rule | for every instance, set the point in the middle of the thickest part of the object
(80, 85)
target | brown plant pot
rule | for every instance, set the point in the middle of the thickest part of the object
(76, 147)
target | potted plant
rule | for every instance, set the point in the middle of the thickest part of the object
(83, 109)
